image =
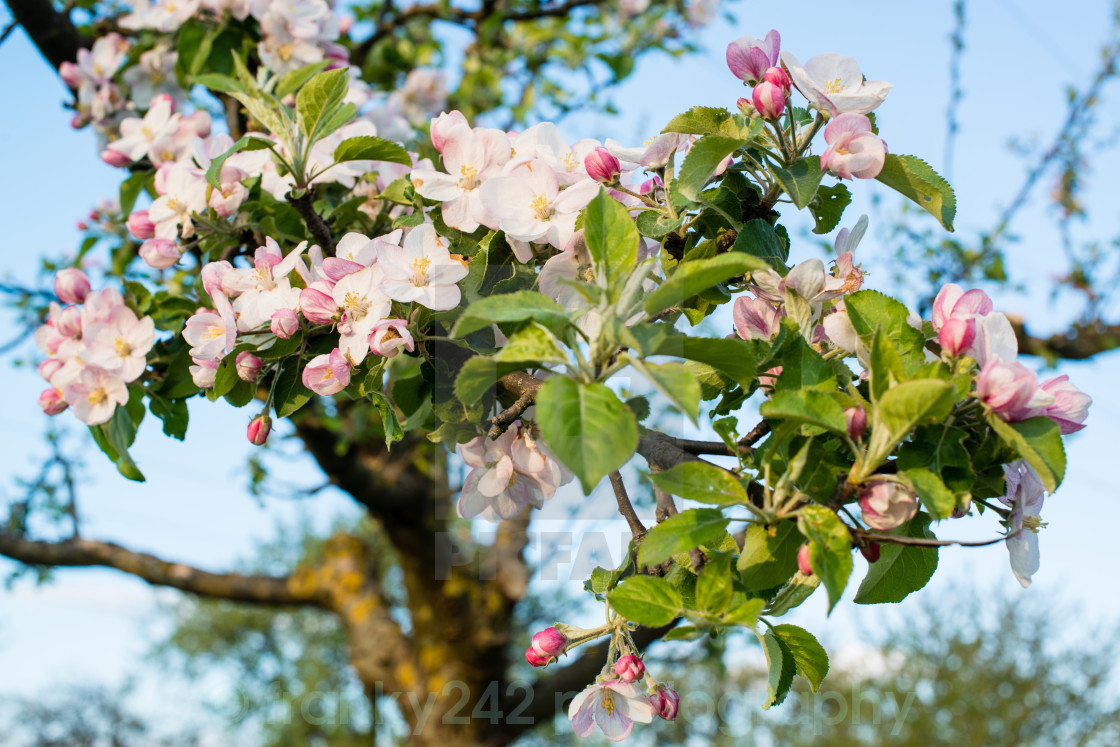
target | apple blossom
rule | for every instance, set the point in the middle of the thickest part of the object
(546, 645)
(755, 319)
(138, 135)
(95, 395)
(887, 505)
(952, 302)
(316, 303)
(211, 334)
(120, 345)
(956, 336)
(803, 563)
(421, 270)
(327, 374)
(115, 158)
(602, 166)
(530, 206)
(443, 124)
(1070, 406)
(834, 84)
(362, 298)
(665, 702)
(629, 668)
(204, 373)
(259, 429)
(52, 402)
(389, 336)
(160, 254)
(856, 420)
(749, 59)
(71, 285)
(140, 225)
(153, 75)
(614, 705)
(248, 366)
(769, 100)
(1011, 390)
(1025, 496)
(284, 323)
(995, 339)
(471, 157)
(182, 191)
(853, 149)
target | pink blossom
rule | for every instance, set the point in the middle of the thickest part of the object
(259, 429)
(887, 505)
(120, 345)
(665, 702)
(853, 150)
(629, 668)
(210, 334)
(204, 373)
(316, 303)
(956, 336)
(95, 395)
(471, 157)
(769, 100)
(284, 323)
(508, 473)
(248, 366)
(755, 319)
(834, 84)
(1070, 407)
(71, 285)
(614, 705)
(953, 302)
(421, 270)
(1010, 390)
(602, 166)
(803, 563)
(1025, 496)
(546, 645)
(778, 77)
(115, 158)
(389, 336)
(140, 225)
(442, 126)
(327, 374)
(68, 320)
(160, 254)
(51, 401)
(856, 419)
(748, 58)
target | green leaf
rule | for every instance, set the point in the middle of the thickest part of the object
(511, 307)
(886, 365)
(913, 178)
(675, 382)
(293, 81)
(646, 600)
(758, 239)
(900, 570)
(768, 561)
(681, 533)
(744, 613)
(699, 275)
(800, 181)
(733, 356)
(808, 654)
(249, 142)
(830, 553)
(805, 406)
(781, 666)
(114, 438)
(937, 499)
(477, 376)
(655, 225)
(173, 413)
(1039, 441)
(220, 83)
(804, 368)
(533, 343)
(870, 310)
(369, 148)
(389, 421)
(828, 207)
(612, 238)
(799, 588)
(901, 409)
(701, 163)
(290, 394)
(704, 120)
(702, 482)
(587, 427)
(319, 99)
(131, 189)
(713, 587)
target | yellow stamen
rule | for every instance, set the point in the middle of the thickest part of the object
(213, 332)
(1034, 523)
(541, 207)
(97, 396)
(356, 307)
(468, 177)
(123, 348)
(607, 703)
(420, 267)
(833, 86)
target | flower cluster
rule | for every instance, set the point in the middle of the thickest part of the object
(91, 77)
(96, 347)
(507, 474)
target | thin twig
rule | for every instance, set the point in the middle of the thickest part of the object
(315, 223)
(626, 508)
(501, 422)
(919, 541)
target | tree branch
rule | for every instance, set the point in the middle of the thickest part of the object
(1080, 341)
(79, 552)
(626, 508)
(51, 32)
(314, 222)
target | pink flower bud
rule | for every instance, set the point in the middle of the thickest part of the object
(159, 254)
(52, 402)
(746, 107)
(71, 285)
(204, 373)
(248, 366)
(50, 367)
(389, 336)
(70, 74)
(856, 418)
(317, 305)
(778, 77)
(68, 321)
(284, 324)
(665, 702)
(803, 563)
(956, 336)
(870, 551)
(115, 158)
(953, 302)
(140, 225)
(887, 505)
(163, 98)
(259, 429)
(327, 374)
(443, 125)
(1070, 406)
(602, 166)
(769, 99)
(1007, 388)
(629, 668)
(548, 643)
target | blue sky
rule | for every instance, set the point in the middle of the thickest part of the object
(93, 625)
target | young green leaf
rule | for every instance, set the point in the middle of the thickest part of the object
(699, 275)
(319, 99)
(612, 238)
(800, 181)
(511, 307)
(808, 654)
(713, 587)
(675, 382)
(900, 570)
(781, 666)
(701, 163)
(767, 561)
(681, 533)
(830, 553)
(646, 600)
(369, 148)
(913, 178)
(702, 482)
(1039, 441)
